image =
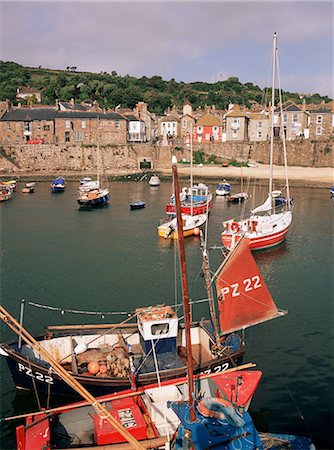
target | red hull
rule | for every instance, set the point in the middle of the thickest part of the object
(196, 209)
(259, 242)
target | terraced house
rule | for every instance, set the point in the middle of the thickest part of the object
(51, 126)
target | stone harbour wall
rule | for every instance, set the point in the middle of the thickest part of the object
(44, 157)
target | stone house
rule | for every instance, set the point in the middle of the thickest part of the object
(236, 124)
(20, 125)
(187, 123)
(321, 124)
(258, 126)
(208, 128)
(294, 120)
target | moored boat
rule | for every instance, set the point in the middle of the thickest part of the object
(137, 205)
(58, 185)
(29, 188)
(154, 181)
(195, 200)
(190, 224)
(238, 198)
(5, 193)
(332, 191)
(223, 188)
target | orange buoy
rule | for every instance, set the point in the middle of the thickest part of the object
(87, 374)
(197, 231)
(103, 368)
(93, 367)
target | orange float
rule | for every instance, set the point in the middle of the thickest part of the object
(93, 367)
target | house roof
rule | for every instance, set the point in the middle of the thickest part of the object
(24, 114)
(321, 111)
(75, 106)
(288, 106)
(169, 119)
(258, 116)
(209, 120)
(132, 118)
(27, 90)
(236, 112)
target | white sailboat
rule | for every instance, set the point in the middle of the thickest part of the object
(91, 193)
(267, 225)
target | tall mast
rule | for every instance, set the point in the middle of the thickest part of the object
(98, 151)
(185, 293)
(272, 115)
(191, 167)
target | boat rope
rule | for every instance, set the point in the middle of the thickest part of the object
(159, 384)
(34, 386)
(296, 406)
(103, 314)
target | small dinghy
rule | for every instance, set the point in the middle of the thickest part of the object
(137, 205)
(29, 188)
(154, 181)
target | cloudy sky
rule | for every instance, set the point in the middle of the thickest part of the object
(185, 40)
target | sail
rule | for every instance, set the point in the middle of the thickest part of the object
(266, 206)
(243, 297)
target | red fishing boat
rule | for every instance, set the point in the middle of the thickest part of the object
(194, 201)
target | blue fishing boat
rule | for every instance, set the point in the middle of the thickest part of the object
(222, 425)
(58, 185)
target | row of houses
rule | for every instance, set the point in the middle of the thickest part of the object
(72, 123)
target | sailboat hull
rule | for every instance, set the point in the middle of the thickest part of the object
(201, 208)
(261, 238)
(95, 202)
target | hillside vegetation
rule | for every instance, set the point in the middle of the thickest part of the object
(111, 89)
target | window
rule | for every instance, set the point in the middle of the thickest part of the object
(46, 127)
(17, 138)
(285, 118)
(159, 328)
(117, 125)
(276, 118)
(83, 123)
(26, 126)
(319, 119)
(215, 129)
(78, 136)
(259, 125)
(8, 125)
(67, 124)
(174, 125)
(101, 124)
(318, 131)
(67, 136)
(294, 118)
(259, 134)
(199, 130)
(184, 123)
(234, 134)
(8, 139)
(38, 125)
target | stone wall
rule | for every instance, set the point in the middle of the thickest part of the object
(44, 157)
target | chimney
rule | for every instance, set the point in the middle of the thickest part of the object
(72, 102)
(57, 104)
(304, 104)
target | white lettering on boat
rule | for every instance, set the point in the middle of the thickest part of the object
(126, 418)
(217, 369)
(39, 376)
(249, 284)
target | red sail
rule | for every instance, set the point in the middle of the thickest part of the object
(243, 298)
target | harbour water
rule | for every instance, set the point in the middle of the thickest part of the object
(113, 260)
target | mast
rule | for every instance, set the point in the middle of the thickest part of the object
(191, 168)
(101, 410)
(98, 152)
(185, 293)
(272, 115)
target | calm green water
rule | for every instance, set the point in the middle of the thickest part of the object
(113, 260)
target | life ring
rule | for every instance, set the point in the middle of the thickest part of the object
(235, 227)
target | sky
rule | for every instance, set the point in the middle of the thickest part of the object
(185, 40)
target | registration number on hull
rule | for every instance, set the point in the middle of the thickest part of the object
(39, 376)
(216, 369)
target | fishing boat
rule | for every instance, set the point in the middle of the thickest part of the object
(29, 188)
(266, 226)
(58, 185)
(5, 193)
(223, 188)
(154, 181)
(190, 224)
(85, 180)
(137, 205)
(91, 193)
(9, 183)
(195, 200)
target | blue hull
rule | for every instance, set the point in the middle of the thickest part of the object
(95, 203)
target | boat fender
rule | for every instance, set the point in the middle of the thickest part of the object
(219, 408)
(235, 227)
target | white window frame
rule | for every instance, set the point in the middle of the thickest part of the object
(184, 123)
(78, 136)
(294, 118)
(67, 124)
(234, 134)
(8, 125)
(318, 131)
(117, 125)
(199, 129)
(83, 123)
(259, 124)
(259, 134)
(319, 119)
(285, 118)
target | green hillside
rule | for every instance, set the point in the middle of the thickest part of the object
(111, 89)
